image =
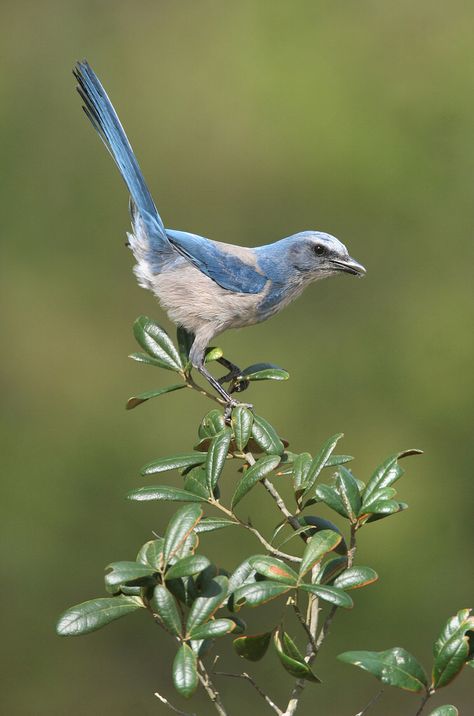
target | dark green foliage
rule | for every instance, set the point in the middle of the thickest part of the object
(195, 601)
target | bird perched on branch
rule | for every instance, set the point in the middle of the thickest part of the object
(207, 286)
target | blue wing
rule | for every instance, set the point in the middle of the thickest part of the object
(223, 267)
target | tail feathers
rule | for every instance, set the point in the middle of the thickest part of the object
(103, 118)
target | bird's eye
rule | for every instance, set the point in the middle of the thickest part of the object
(319, 249)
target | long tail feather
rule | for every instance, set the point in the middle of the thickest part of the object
(103, 118)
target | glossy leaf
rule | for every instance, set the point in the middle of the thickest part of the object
(300, 469)
(213, 353)
(349, 492)
(330, 569)
(216, 457)
(316, 547)
(156, 342)
(257, 593)
(395, 667)
(293, 662)
(151, 554)
(356, 577)
(274, 569)
(387, 473)
(196, 482)
(311, 524)
(179, 527)
(387, 510)
(185, 341)
(385, 493)
(212, 424)
(329, 594)
(183, 589)
(319, 461)
(96, 613)
(143, 397)
(188, 566)
(452, 648)
(212, 629)
(445, 711)
(207, 602)
(241, 575)
(185, 675)
(162, 492)
(175, 462)
(383, 507)
(265, 371)
(210, 524)
(266, 436)
(123, 572)
(336, 460)
(252, 647)
(254, 474)
(163, 603)
(146, 359)
(330, 496)
(242, 420)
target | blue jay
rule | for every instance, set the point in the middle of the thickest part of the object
(207, 286)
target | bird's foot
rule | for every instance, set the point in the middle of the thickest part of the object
(237, 384)
(234, 404)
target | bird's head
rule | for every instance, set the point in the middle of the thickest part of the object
(316, 255)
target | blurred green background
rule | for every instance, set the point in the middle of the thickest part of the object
(252, 121)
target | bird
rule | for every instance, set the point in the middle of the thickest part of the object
(207, 286)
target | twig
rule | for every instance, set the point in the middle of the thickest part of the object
(248, 678)
(305, 625)
(291, 519)
(210, 689)
(425, 698)
(170, 706)
(372, 701)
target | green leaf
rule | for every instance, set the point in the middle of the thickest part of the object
(385, 510)
(185, 341)
(210, 524)
(94, 614)
(214, 628)
(293, 662)
(331, 569)
(196, 482)
(151, 554)
(329, 594)
(395, 667)
(273, 569)
(163, 603)
(146, 359)
(385, 493)
(179, 527)
(162, 492)
(208, 602)
(143, 397)
(241, 575)
(254, 474)
(213, 353)
(356, 577)
(252, 647)
(329, 495)
(185, 675)
(349, 492)
(311, 524)
(188, 566)
(387, 473)
(156, 342)
(242, 420)
(175, 462)
(264, 371)
(319, 462)
(212, 424)
(124, 572)
(445, 711)
(300, 469)
(216, 457)
(316, 547)
(383, 507)
(452, 648)
(257, 593)
(336, 460)
(266, 436)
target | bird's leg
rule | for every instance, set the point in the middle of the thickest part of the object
(230, 402)
(230, 377)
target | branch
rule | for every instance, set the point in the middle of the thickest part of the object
(210, 689)
(425, 698)
(171, 707)
(305, 625)
(370, 704)
(248, 678)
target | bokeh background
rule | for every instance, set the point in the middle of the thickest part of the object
(252, 121)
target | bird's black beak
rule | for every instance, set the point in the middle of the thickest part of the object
(349, 265)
